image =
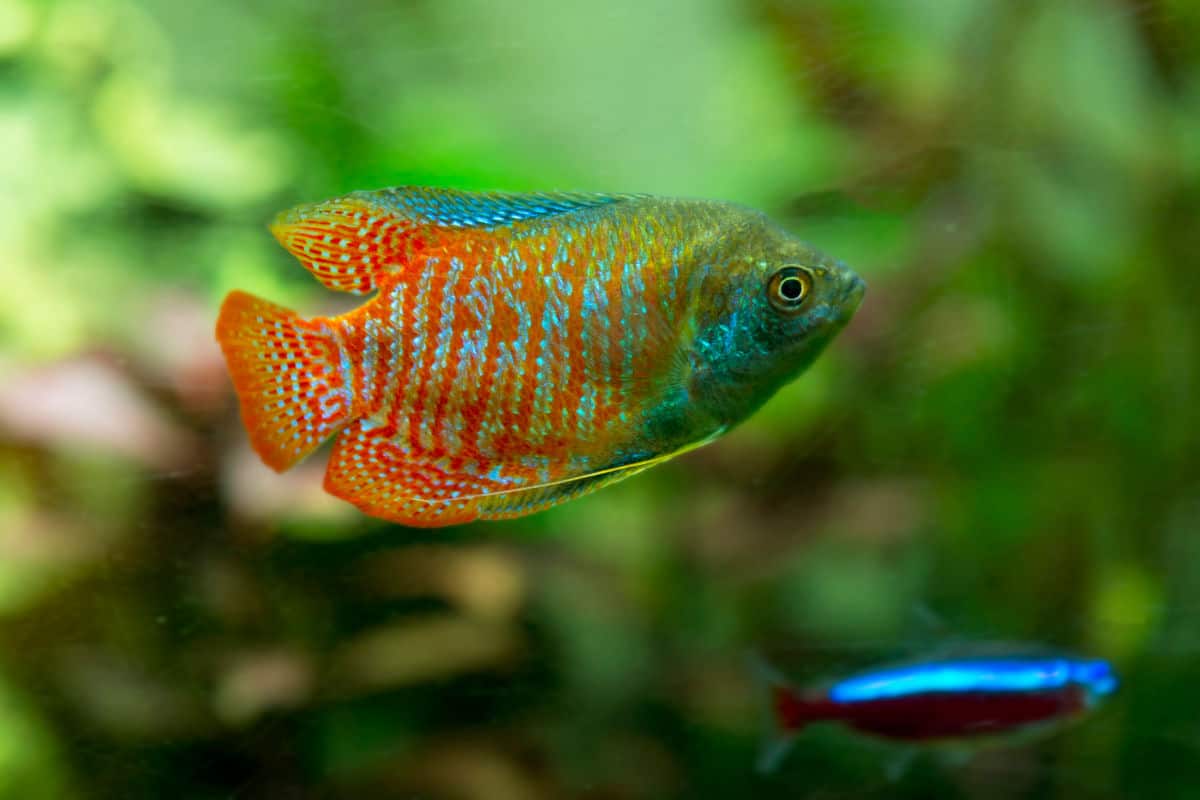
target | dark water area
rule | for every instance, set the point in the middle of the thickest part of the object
(1002, 446)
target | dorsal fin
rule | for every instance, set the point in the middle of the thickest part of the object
(348, 242)
(454, 208)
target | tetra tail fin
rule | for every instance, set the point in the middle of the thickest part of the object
(287, 372)
(782, 711)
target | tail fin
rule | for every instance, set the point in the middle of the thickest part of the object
(783, 711)
(286, 372)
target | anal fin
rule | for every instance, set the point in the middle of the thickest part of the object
(373, 468)
(376, 471)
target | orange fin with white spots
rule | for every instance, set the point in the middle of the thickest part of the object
(287, 374)
(345, 243)
(372, 468)
(351, 242)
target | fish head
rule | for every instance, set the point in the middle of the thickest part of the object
(765, 314)
(1097, 677)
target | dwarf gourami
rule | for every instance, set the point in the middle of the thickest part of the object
(963, 700)
(523, 349)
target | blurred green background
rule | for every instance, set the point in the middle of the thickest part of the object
(1004, 442)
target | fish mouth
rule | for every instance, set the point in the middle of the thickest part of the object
(853, 293)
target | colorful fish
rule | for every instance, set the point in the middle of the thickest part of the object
(523, 349)
(959, 700)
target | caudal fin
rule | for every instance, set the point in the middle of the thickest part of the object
(286, 371)
(782, 710)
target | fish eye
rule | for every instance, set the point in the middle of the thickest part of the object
(789, 288)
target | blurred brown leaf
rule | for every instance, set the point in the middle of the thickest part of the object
(486, 582)
(257, 682)
(420, 649)
(85, 404)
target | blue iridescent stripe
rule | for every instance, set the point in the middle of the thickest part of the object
(974, 675)
(485, 209)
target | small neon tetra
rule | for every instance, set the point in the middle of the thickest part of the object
(963, 701)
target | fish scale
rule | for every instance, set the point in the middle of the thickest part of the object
(448, 374)
(520, 349)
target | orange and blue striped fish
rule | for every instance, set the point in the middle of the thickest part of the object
(523, 349)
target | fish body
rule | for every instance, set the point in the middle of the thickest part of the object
(522, 349)
(959, 701)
